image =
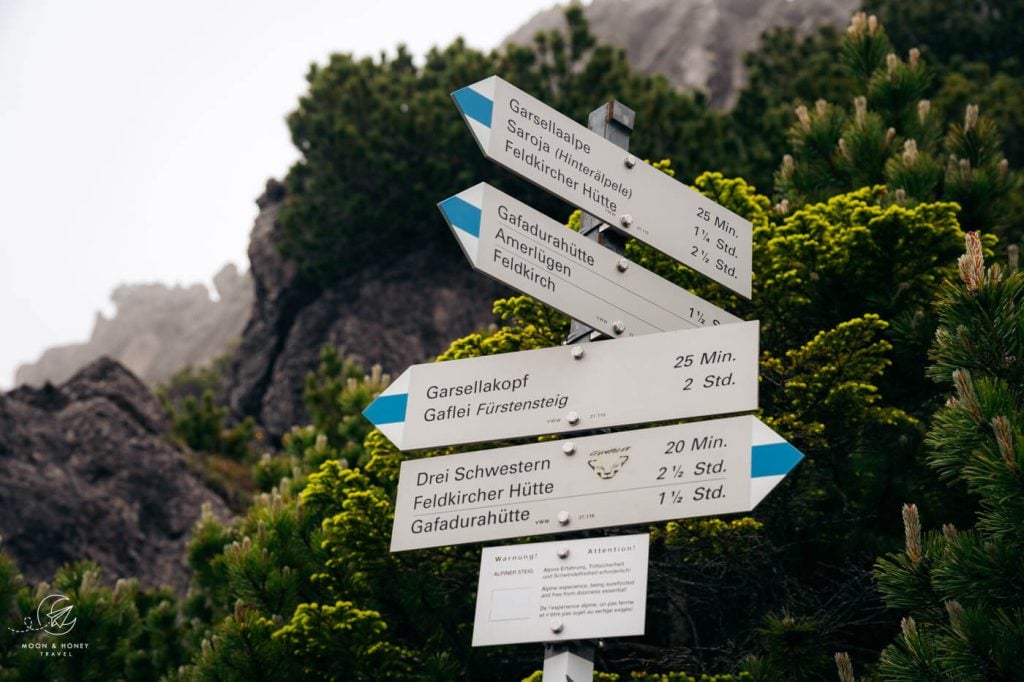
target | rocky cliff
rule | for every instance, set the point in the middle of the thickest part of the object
(88, 473)
(156, 330)
(392, 313)
(696, 44)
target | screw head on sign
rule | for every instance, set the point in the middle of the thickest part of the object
(562, 552)
(618, 327)
(630, 161)
(622, 265)
(626, 220)
(563, 518)
(577, 352)
(556, 626)
(569, 448)
(573, 418)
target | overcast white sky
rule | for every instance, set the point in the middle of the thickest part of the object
(135, 135)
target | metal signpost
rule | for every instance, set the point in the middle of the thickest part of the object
(669, 375)
(544, 146)
(705, 468)
(523, 248)
(676, 356)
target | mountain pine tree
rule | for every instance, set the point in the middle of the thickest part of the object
(335, 396)
(894, 135)
(961, 589)
(122, 632)
(976, 53)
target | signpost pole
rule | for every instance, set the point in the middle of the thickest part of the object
(574, 661)
(565, 661)
(614, 122)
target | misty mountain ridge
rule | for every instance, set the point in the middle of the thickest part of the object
(155, 331)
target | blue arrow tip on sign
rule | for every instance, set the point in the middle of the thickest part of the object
(387, 409)
(774, 459)
(461, 214)
(474, 105)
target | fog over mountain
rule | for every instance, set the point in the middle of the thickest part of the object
(156, 330)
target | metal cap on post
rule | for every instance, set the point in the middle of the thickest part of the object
(614, 122)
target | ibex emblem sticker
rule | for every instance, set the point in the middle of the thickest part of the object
(607, 463)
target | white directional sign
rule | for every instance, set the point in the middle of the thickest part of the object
(706, 468)
(557, 591)
(554, 152)
(519, 246)
(668, 375)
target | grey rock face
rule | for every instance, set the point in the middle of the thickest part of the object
(280, 293)
(156, 330)
(696, 44)
(88, 473)
(393, 313)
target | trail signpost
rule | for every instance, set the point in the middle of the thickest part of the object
(716, 466)
(676, 356)
(669, 375)
(523, 248)
(529, 138)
